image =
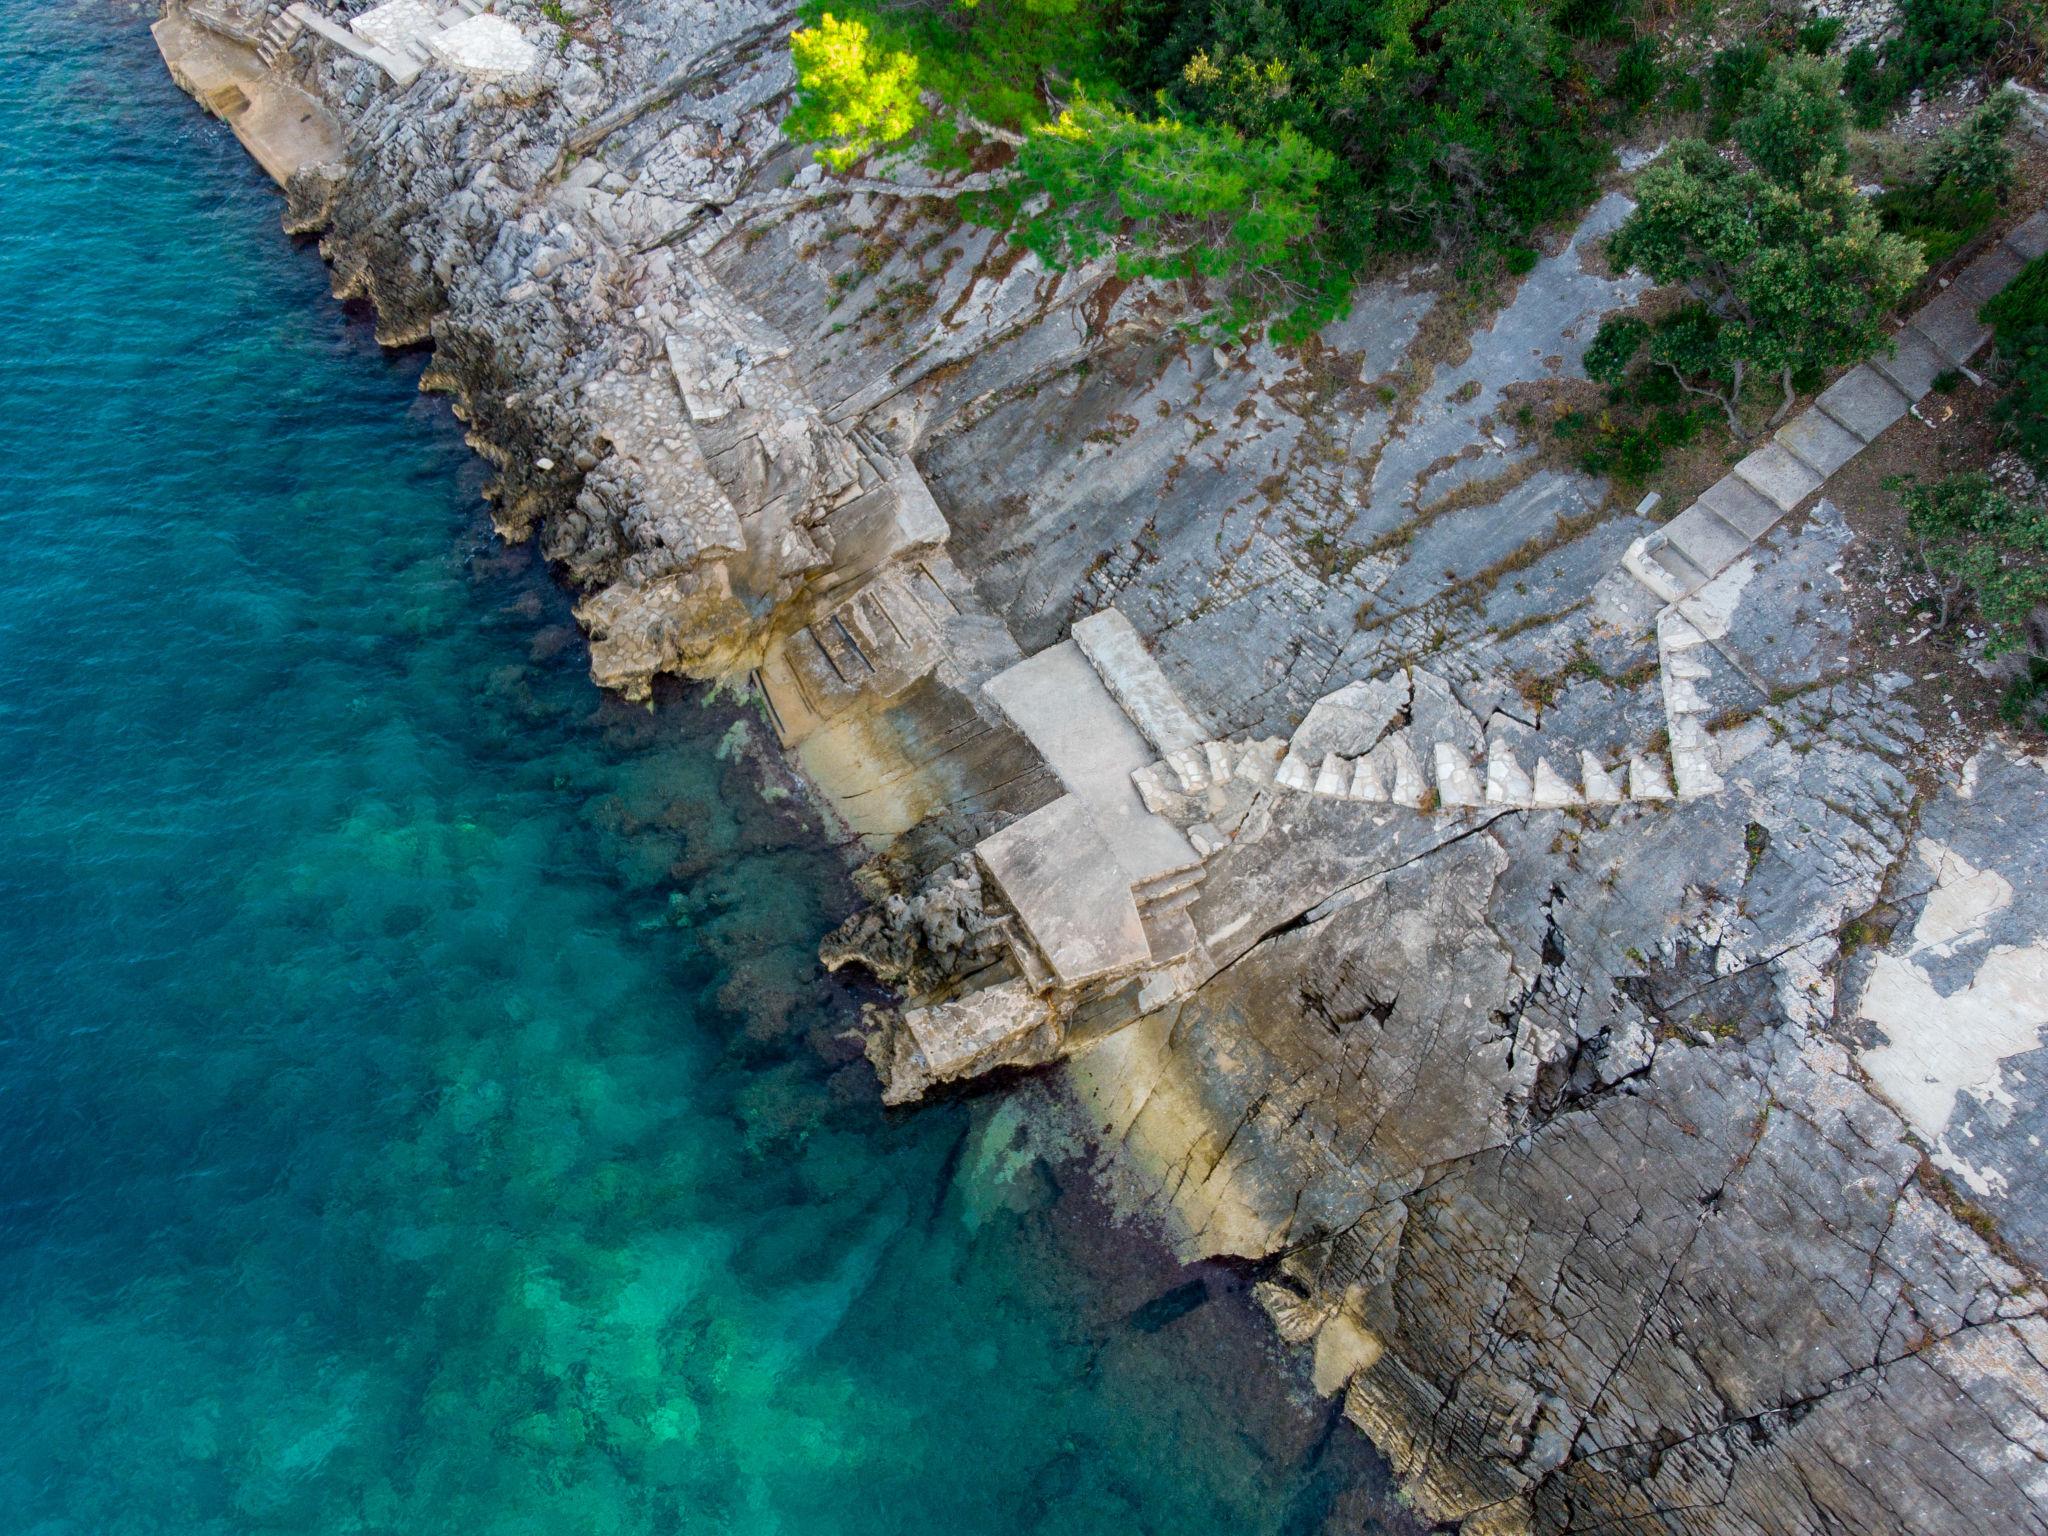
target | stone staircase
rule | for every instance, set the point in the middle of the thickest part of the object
(279, 34)
(1710, 535)
(1100, 883)
(873, 645)
(1403, 771)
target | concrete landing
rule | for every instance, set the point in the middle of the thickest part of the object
(1069, 891)
(1059, 703)
(283, 128)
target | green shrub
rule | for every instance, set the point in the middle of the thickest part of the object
(1735, 72)
(1974, 155)
(1942, 219)
(1818, 35)
(2018, 318)
(1595, 20)
(1962, 179)
(1986, 551)
(1795, 120)
(1873, 89)
(1637, 76)
(1941, 39)
(2025, 704)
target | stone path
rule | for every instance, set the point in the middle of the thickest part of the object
(401, 37)
(1710, 535)
(1093, 874)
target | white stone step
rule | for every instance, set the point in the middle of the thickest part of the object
(1692, 758)
(1259, 761)
(1600, 788)
(1218, 758)
(1647, 779)
(1506, 783)
(1334, 778)
(1191, 768)
(1295, 774)
(1394, 761)
(1365, 781)
(1550, 791)
(1456, 784)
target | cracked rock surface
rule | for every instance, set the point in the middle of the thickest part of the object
(1646, 1162)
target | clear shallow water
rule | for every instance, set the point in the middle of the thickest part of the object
(413, 1114)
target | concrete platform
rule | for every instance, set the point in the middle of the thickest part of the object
(1069, 891)
(1060, 704)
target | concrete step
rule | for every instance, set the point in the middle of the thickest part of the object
(1457, 786)
(1167, 884)
(1118, 654)
(1506, 783)
(1648, 779)
(1599, 785)
(1178, 901)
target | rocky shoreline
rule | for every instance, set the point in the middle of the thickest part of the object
(1545, 941)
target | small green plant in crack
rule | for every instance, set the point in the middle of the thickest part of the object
(1756, 842)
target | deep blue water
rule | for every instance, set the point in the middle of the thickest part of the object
(419, 1106)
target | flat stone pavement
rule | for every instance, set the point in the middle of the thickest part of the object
(1056, 699)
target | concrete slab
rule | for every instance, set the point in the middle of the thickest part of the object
(1949, 320)
(1985, 277)
(396, 23)
(955, 1038)
(1061, 705)
(1069, 891)
(2030, 239)
(1864, 401)
(1741, 506)
(485, 47)
(1914, 364)
(1117, 652)
(1775, 474)
(1819, 442)
(1704, 539)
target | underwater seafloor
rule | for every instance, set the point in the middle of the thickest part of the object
(421, 1109)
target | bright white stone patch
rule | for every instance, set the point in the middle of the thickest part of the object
(1936, 1046)
(397, 22)
(486, 47)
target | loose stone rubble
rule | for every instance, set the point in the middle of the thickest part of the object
(1432, 878)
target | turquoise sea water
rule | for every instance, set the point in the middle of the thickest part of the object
(420, 1109)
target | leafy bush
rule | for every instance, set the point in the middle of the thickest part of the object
(1734, 73)
(2018, 318)
(1795, 120)
(1637, 76)
(1984, 549)
(1189, 201)
(1961, 181)
(1794, 280)
(1872, 88)
(1941, 39)
(1817, 36)
(852, 95)
(1974, 155)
